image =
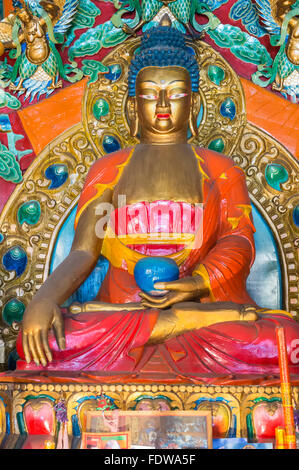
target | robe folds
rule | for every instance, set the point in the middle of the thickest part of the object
(221, 250)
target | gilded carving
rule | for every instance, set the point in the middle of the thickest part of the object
(233, 407)
(32, 398)
(254, 152)
(5, 408)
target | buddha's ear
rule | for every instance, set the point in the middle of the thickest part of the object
(195, 107)
(132, 115)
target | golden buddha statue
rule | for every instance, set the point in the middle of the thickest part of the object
(205, 322)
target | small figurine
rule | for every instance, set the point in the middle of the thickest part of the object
(62, 419)
(32, 30)
(178, 13)
(280, 18)
(6, 26)
(39, 61)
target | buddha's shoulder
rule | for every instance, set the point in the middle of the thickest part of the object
(109, 162)
(215, 163)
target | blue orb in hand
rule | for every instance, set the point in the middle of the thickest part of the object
(154, 269)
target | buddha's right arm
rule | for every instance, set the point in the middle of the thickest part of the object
(43, 312)
(83, 257)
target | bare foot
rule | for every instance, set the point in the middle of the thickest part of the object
(76, 308)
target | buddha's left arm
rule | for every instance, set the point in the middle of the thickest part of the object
(227, 265)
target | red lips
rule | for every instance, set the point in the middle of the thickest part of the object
(163, 116)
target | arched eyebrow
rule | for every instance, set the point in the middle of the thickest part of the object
(170, 83)
(150, 81)
(176, 81)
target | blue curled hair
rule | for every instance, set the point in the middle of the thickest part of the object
(163, 46)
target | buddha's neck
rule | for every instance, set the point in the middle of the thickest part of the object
(148, 138)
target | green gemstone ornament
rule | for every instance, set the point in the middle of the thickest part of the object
(216, 74)
(217, 145)
(100, 108)
(275, 175)
(13, 311)
(29, 212)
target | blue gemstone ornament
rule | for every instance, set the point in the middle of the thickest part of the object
(154, 269)
(110, 144)
(228, 109)
(114, 72)
(15, 259)
(296, 215)
(57, 174)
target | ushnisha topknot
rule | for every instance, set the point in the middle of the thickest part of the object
(163, 46)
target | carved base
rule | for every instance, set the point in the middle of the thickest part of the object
(250, 410)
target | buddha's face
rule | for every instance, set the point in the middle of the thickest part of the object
(163, 101)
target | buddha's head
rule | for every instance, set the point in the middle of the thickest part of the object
(163, 87)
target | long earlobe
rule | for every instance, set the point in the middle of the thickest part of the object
(133, 116)
(195, 106)
(193, 126)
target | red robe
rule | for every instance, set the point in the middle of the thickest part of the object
(116, 342)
